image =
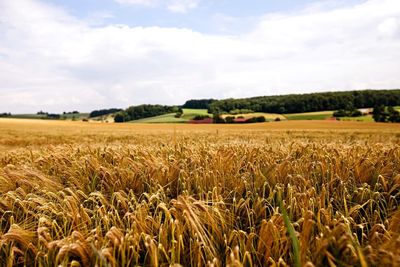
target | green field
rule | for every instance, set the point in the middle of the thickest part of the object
(28, 116)
(76, 116)
(323, 115)
(318, 115)
(42, 116)
(367, 118)
(166, 118)
(188, 114)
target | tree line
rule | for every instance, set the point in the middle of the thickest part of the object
(385, 114)
(198, 103)
(298, 103)
(143, 111)
(217, 118)
(102, 112)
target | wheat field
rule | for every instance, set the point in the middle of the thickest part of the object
(274, 194)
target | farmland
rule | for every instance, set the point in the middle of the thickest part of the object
(365, 118)
(318, 115)
(187, 115)
(67, 116)
(314, 193)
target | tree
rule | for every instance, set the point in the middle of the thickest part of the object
(52, 116)
(119, 117)
(383, 114)
(356, 113)
(261, 119)
(101, 112)
(394, 115)
(379, 114)
(296, 103)
(146, 111)
(340, 113)
(230, 119)
(218, 119)
(352, 112)
(240, 111)
(200, 117)
(198, 104)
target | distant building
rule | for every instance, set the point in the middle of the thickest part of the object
(366, 110)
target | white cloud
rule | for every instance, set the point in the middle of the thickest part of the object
(137, 2)
(182, 6)
(390, 27)
(52, 61)
(178, 6)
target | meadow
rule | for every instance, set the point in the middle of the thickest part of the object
(187, 115)
(289, 193)
(318, 115)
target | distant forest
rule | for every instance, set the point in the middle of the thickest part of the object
(103, 112)
(198, 103)
(143, 111)
(281, 104)
(297, 103)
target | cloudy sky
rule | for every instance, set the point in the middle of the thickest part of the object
(62, 55)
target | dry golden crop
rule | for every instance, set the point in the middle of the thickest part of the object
(273, 194)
